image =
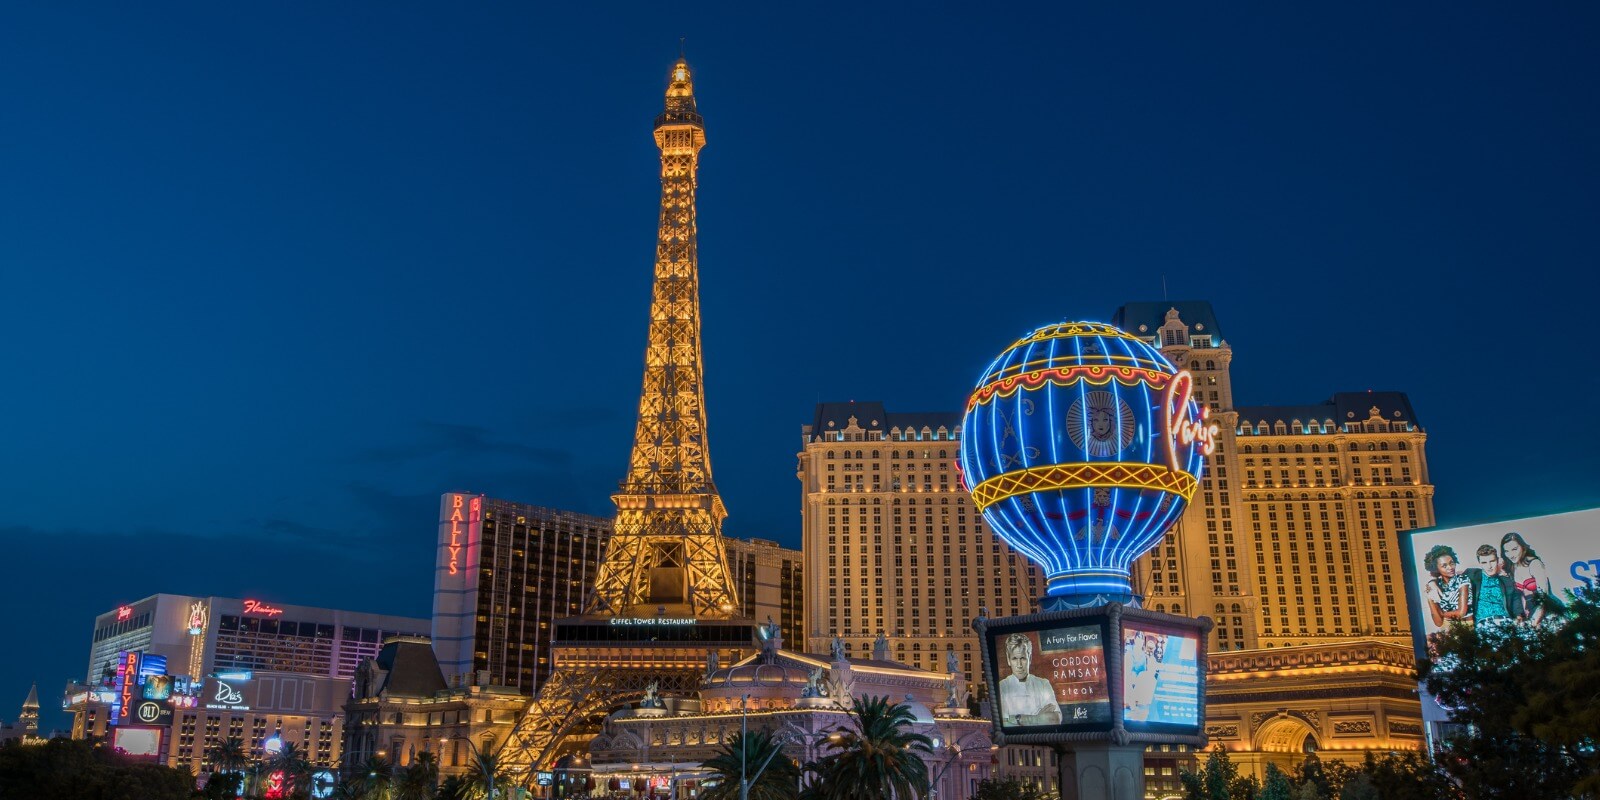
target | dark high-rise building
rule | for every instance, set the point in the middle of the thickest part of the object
(505, 573)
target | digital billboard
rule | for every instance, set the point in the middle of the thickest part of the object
(1514, 572)
(141, 742)
(1160, 678)
(1052, 677)
(1095, 673)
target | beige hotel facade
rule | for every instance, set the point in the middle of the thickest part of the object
(1290, 546)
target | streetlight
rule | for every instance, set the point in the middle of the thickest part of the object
(955, 758)
(744, 745)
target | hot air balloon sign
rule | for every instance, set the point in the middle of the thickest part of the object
(1082, 445)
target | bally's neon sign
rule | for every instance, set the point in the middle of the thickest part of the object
(258, 607)
(457, 518)
(1180, 429)
(124, 612)
(128, 678)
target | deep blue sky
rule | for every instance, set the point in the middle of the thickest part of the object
(275, 277)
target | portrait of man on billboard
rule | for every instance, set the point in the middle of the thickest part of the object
(1025, 699)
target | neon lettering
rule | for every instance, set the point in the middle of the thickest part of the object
(124, 612)
(1180, 429)
(455, 531)
(258, 607)
(130, 666)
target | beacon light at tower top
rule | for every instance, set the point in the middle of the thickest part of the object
(1081, 445)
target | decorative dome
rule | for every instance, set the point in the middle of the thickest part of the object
(1081, 445)
(919, 710)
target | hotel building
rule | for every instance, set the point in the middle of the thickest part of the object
(1289, 545)
(505, 572)
(172, 675)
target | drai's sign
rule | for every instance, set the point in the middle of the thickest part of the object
(653, 621)
(226, 697)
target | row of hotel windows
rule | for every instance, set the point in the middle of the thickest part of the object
(116, 628)
(907, 435)
(1325, 427)
(1317, 448)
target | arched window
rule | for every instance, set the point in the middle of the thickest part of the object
(1236, 608)
(1370, 447)
(1404, 446)
(1281, 449)
(943, 455)
(1211, 365)
(1194, 365)
(830, 454)
(1299, 449)
(874, 454)
(1383, 445)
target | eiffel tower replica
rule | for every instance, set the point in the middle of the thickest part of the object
(664, 603)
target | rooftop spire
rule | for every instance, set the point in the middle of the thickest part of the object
(680, 107)
(33, 698)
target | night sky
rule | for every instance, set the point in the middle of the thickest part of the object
(277, 276)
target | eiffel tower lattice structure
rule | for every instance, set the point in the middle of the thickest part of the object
(664, 603)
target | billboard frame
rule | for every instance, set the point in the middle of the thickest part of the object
(1114, 616)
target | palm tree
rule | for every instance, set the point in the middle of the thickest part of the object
(377, 776)
(351, 788)
(230, 755)
(741, 758)
(454, 787)
(875, 757)
(488, 772)
(420, 780)
(296, 768)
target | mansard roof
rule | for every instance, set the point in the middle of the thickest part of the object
(1342, 408)
(411, 669)
(1196, 314)
(871, 416)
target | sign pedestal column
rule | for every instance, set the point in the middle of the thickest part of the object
(1101, 771)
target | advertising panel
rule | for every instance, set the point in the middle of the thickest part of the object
(152, 712)
(1098, 673)
(1054, 677)
(1518, 572)
(1160, 678)
(157, 687)
(139, 742)
(225, 695)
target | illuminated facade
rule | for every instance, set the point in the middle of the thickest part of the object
(665, 601)
(798, 698)
(894, 546)
(265, 670)
(1290, 542)
(401, 704)
(519, 568)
